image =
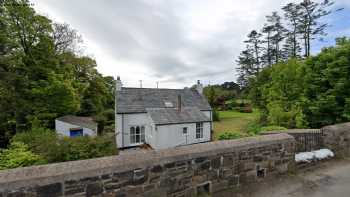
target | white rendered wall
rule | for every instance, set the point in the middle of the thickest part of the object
(125, 121)
(63, 128)
(208, 114)
(167, 136)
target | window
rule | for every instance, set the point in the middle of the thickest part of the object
(137, 134)
(184, 130)
(199, 130)
(168, 104)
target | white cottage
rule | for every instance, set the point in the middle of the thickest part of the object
(73, 126)
(161, 118)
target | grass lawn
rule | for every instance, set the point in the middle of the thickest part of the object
(233, 121)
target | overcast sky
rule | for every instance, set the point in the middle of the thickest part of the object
(174, 42)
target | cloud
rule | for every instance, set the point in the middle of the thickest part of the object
(174, 42)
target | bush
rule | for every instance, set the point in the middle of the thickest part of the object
(273, 128)
(55, 148)
(216, 116)
(253, 128)
(230, 135)
(18, 155)
(86, 147)
(43, 142)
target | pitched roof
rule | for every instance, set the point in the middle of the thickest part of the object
(173, 116)
(136, 100)
(86, 122)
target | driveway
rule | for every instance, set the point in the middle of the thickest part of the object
(328, 179)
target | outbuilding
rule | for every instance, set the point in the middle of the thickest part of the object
(73, 126)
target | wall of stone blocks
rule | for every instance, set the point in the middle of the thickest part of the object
(337, 138)
(179, 172)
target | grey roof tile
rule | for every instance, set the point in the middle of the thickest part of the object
(173, 116)
(136, 100)
(86, 122)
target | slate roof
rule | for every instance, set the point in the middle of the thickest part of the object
(137, 100)
(172, 116)
(86, 122)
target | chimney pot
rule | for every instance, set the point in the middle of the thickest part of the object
(199, 87)
(119, 84)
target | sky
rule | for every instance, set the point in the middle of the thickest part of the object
(172, 42)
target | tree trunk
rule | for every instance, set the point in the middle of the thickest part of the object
(268, 49)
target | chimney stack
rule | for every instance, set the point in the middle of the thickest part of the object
(119, 84)
(179, 103)
(199, 87)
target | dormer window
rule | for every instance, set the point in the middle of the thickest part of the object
(168, 104)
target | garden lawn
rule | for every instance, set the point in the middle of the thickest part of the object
(233, 121)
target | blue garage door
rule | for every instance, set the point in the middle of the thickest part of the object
(76, 132)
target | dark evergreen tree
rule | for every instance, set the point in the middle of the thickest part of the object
(278, 34)
(292, 14)
(254, 45)
(268, 57)
(311, 26)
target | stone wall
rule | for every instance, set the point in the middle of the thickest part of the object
(183, 171)
(337, 138)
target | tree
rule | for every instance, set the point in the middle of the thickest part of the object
(254, 44)
(277, 29)
(292, 14)
(311, 26)
(250, 60)
(211, 95)
(327, 90)
(306, 93)
(247, 67)
(65, 38)
(41, 74)
(268, 30)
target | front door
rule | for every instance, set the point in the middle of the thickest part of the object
(76, 132)
(185, 134)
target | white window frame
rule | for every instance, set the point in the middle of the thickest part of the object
(199, 130)
(137, 134)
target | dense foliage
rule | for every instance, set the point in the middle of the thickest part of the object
(18, 155)
(218, 94)
(54, 148)
(306, 93)
(43, 75)
(283, 37)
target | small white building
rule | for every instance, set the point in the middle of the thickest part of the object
(73, 126)
(161, 118)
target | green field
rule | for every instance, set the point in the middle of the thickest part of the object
(233, 121)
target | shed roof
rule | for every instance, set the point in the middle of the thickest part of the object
(137, 100)
(161, 116)
(86, 122)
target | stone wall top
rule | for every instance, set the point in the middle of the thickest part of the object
(337, 127)
(291, 131)
(46, 174)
